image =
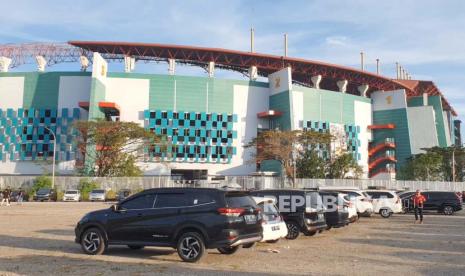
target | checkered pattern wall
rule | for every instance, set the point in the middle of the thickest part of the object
(195, 136)
(352, 131)
(23, 135)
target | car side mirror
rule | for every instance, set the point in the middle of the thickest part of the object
(115, 208)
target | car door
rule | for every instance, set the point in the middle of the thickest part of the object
(130, 221)
(431, 201)
(165, 216)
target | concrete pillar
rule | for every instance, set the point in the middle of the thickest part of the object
(363, 89)
(171, 66)
(316, 81)
(4, 64)
(211, 69)
(84, 63)
(342, 84)
(129, 64)
(41, 63)
(253, 73)
(425, 99)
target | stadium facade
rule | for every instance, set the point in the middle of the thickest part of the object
(382, 122)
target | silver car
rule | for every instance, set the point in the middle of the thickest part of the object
(97, 195)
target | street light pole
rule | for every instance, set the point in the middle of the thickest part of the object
(54, 151)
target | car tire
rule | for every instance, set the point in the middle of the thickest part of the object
(136, 247)
(320, 231)
(248, 245)
(273, 241)
(93, 242)
(448, 210)
(385, 213)
(190, 247)
(228, 250)
(328, 228)
(310, 233)
(293, 230)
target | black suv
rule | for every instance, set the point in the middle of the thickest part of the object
(188, 219)
(306, 217)
(337, 212)
(444, 202)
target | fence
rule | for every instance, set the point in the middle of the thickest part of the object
(244, 182)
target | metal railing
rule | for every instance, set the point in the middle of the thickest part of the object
(244, 182)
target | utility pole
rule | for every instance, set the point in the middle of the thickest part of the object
(54, 152)
(453, 164)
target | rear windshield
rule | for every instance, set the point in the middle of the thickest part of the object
(268, 208)
(235, 200)
(98, 191)
(315, 200)
(71, 192)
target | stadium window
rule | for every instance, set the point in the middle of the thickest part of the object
(214, 124)
(224, 125)
(186, 132)
(209, 133)
(47, 112)
(158, 122)
(175, 131)
(230, 118)
(53, 120)
(164, 115)
(181, 122)
(192, 139)
(209, 117)
(152, 115)
(197, 132)
(175, 115)
(197, 116)
(203, 123)
(181, 139)
(164, 131)
(220, 117)
(192, 123)
(186, 116)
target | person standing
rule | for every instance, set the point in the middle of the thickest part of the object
(20, 197)
(418, 203)
(6, 197)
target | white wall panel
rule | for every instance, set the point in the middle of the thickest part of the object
(74, 89)
(131, 95)
(363, 118)
(386, 100)
(11, 92)
(297, 109)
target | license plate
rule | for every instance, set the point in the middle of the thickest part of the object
(275, 228)
(250, 219)
(321, 216)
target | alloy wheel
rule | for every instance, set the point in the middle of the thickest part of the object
(190, 248)
(91, 242)
(293, 231)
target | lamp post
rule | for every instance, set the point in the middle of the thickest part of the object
(54, 151)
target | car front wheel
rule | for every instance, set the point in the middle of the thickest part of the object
(385, 213)
(228, 250)
(190, 247)
(293, 230)
(248, 245)
(448, 210)
(93, 242)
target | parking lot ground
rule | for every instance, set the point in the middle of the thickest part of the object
(38, 239)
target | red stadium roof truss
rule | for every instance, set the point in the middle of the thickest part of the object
(240, 61)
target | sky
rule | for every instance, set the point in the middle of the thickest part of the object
(425, 37)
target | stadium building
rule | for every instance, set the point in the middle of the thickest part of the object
(381, 121)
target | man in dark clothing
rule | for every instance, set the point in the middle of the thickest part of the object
(6, 197)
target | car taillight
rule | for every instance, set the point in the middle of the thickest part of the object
(231, 212)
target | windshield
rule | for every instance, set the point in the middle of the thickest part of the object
(268, 208)
(235, 200)
(71, 192)
(43, 191)
(98, 191)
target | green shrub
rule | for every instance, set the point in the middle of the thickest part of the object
(86, 186)
(40, 182)
(111, 195)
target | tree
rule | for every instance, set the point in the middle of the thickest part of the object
(310, 165)
(112, 148)
(423, 167)
(284, 147)
(341, 165)
(453, 161)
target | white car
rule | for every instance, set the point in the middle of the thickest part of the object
(353, 215)
(385, 202)
(274, 227)
(97, 195)
(72, 195)
(361, 200)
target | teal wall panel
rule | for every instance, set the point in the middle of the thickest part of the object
(436, 102)
(281, 102)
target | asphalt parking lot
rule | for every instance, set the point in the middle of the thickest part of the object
(38, 239)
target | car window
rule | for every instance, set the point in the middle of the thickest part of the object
(315, 200)
(71, 192)
(139, 202)
(378, 195)
(268, 208)
(235, 200)
(98, 191)
(198, 198)
(171, 200)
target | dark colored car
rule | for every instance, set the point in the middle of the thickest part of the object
(443, 202)
(188, 219)
(336, 214)
(123, 194)
(308, 218)
(45, 194)
(14, 196)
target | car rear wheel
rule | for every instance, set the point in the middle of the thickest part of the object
(448, 210)
(310, 233)
(248, 245)
(191, 247)
(228, 250)
(93, 242)
(328, 228)
(136, 247)
(273, 241)
(385, 213)
(293, 230)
